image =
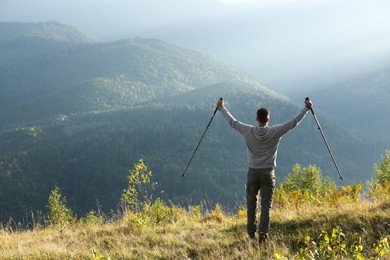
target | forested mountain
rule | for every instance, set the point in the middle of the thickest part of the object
(49, 31)
(79, 113)
(361, 104)
(80, 77)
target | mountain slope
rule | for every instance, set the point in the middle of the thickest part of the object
(88, 156)
(361, 105)
(89, 77)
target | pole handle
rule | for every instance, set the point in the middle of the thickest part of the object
(215, 111)
(311, 109)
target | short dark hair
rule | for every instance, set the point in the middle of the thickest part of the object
(262, 115)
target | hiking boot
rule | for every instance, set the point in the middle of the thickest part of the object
(252, 239)
(252, 236)
(262, 238)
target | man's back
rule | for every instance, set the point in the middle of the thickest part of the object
(262, 141)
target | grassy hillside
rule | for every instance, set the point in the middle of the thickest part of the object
(189, 234)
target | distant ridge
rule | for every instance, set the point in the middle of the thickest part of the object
(10, 31)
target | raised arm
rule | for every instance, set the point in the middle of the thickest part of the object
(292, 123)
(240, 127)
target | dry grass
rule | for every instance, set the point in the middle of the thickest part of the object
(214, 236)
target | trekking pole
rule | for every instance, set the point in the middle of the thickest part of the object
(323, 136)
(192, 157)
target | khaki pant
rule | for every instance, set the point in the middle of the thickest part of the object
(263, 180)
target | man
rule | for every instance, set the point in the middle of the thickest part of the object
(262, 143)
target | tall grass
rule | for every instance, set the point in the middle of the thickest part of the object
(168, 231)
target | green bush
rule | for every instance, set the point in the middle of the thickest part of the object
(382, 169)
(159, 212)
(92, 218)
(309, 178)
(139, 189)
(59, 213)
(302, 186)
(335, 245)
(379, 187)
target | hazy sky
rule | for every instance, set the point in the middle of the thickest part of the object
(278, 41)
(126, 15)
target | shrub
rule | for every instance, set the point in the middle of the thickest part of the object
(92, 218)
(303, 186)
(135, 220)
(59, 213)
(216, 215)
(382, 169)
(379, 187)
(159, 212)
(138, 193)
(309, 178)
(335, 245)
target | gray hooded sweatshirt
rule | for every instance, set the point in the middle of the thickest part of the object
(262, 142)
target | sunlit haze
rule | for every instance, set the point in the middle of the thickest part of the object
(286, 43)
